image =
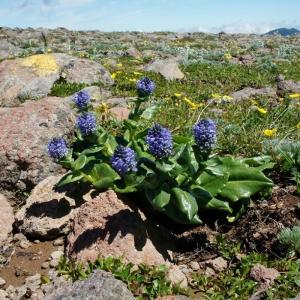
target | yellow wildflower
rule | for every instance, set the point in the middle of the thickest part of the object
(269, 132)
(119, 65)
(227, 98)
(227, 56)
(298, 125)
(132, 79)
(137, 73)
(178, 95)
(102, 108)
(254, 102)
(262, 110)
(114, 75)
(216, 96)
(294, 96)
(191, 103)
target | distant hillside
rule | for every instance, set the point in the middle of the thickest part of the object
(284, 31)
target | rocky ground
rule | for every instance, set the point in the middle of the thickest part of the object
(39, 222)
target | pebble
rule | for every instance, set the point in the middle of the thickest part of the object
(24, 244)
(45, 265)
(194, 266)
(58, 242)
(2, 282)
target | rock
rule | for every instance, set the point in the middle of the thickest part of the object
(177, 276)
(24, 134)
(219, 264)
(249, 92)
(3, 295)
(55, 257)
(108, 226)
(47, 211)
(33, 282)
(120, 113)
(86, 71)
(194, 266)
(24, 244)
(6, 218)
(286, 86)
(265, 276)
(45, 265)
(2, 283)
(167, 68)
(99, 286)
(98, 94)
(133, 52)
(59, 242)
(33, 77)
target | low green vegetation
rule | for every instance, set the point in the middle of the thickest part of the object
(234, 283)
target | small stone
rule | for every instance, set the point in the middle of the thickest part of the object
(219, 264)
(36, 241)
(45, 265)
(24, 244)
(176, 276)
(2, 282)
(3, 295)
(209, 272)
(265, 276)
(194, 266)
(19, 237)
(56, 254)
(58, 242)
(33, 282)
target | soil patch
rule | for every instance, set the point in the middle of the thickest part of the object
(26, 262)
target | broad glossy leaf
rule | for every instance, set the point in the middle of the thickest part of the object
(243, 181)
(177, 216)
(185, 202)
(69, 178)
(212, 183)
(102, 176)
(216, 204)
(158, 199)
(201, 195)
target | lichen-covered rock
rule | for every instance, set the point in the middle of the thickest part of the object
(107, 226)
(168, 68)
(32, 77)
(47, 211)
(287, 86)
(99, 286)
(24, 134)
(263, 275)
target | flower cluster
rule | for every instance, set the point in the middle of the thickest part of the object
(57, 148)
(145, 87)
(124, 160)
(86, 123)
(81, 99)
(159, 141)
(205, 134)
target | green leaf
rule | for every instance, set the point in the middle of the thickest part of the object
(243, 181)
(216, 204)
(212, 183)
(80, 162)
(149, 112)
(102, 176)
(69, 178)
(185, 202)
(179, 139)
(158, 199)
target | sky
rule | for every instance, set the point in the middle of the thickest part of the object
(232, 16)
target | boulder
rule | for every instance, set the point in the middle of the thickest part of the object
(33, 77)
(133, 52)
(81, 70)
(108, 226)
(48, 210)
(24, 134)
(100, 285)
(249, 92)
(287, 86)
(6, 219)
(168, 68)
